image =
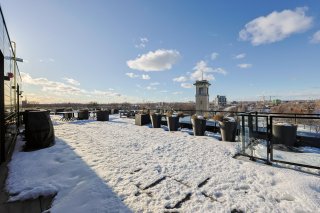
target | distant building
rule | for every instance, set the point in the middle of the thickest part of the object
(276, 102)
(220, 100)
(202, 96)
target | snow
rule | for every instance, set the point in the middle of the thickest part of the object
(302, 155)
(200, 117)
(116, 166)
(284, 124)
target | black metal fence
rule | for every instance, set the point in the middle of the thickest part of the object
(256, 137)
(258, 140)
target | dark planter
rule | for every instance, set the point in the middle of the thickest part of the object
(228, 131)
(284, 134)
(25, 115)
(199, 127)
(102, 115)
(142, 119)
(83, 114)
(39, 130)
(57, 111)
(155, 120)
(173, 123)
(68, 116)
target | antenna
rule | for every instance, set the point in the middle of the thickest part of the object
(202, 75)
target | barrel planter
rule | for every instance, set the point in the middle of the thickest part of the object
(83, 114)
(198, 126)
(228, 130)
(283, 133)
(142, 119)
(173, 123)
(57, 111)
(155, 120)
(39, 130)
(25, 115)
(102, 115)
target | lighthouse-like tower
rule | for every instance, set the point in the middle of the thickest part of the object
(202, 96)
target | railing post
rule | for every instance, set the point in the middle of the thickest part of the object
(18, 107)
(2, 120)
(243, 134)
(257, 121)
(270, 147)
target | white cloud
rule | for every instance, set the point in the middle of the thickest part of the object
(220, 70)
(132, 75)
(240, 56)
(180, 79)
(187, 85)
(105, 93)
(316, 37)
(214, 56)
(48, 85)
(244, 66)
(60, 92)
(177, 93)
(151, 88)
(202, 69)
(154, 83)
(164, 91)
(46, 60)
(158, 60)
(72, 81)
(145, 77)
(276, 26)
(142, 43)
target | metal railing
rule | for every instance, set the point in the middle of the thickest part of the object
(252, 135)
(255, 128)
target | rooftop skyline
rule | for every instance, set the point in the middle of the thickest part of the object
(135, 51)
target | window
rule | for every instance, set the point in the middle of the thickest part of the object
(201, 91)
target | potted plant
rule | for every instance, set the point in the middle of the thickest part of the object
(142, 118)
(228, 126)
(102, 115)
(284, 133)
(198, 124)
(83, 114)
(155, 119)
(173, 120)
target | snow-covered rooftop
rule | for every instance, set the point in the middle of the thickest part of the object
(116, 166)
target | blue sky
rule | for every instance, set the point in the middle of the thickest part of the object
(116, 51)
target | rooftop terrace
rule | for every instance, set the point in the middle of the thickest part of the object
(118, 166)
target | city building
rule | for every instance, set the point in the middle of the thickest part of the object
(220, 100)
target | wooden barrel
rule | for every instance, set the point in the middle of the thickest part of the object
(39, 130)
(102, 115)
(199, 127)
(283, 133)
(83, 114)
(142, 119)
(173, 123)
(228, 130)
(156, 120)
